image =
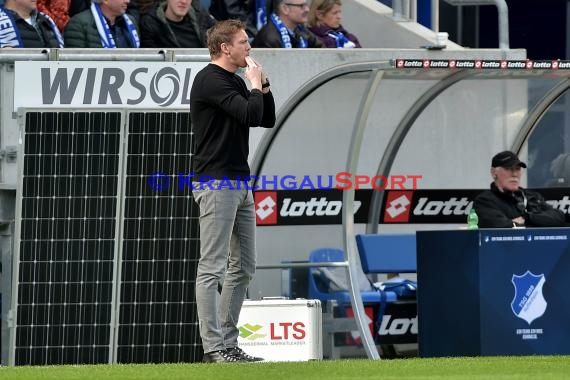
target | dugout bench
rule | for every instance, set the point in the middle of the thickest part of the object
(392, 311)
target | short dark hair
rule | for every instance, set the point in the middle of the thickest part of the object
(222, 32)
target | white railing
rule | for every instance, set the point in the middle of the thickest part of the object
(407, 10)
(503, 13)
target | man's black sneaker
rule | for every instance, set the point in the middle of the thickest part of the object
(222, 356)
(238, 352)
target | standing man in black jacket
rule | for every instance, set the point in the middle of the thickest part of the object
(24, 27)
(222, 110)
(507, 204)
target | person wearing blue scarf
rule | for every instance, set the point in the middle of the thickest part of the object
(104, 25)
(285, 27)
(324, 21)
(24, 27)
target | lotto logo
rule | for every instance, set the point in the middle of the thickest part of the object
(265, 207)
(398, 207)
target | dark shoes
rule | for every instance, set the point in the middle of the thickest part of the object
(222, 356)
(232, 355)
(238, 352)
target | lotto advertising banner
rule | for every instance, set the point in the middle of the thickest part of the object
(485, 64)
(313, 207)
(112, 84)
(397, 325)
(434, 69)
(299, 207)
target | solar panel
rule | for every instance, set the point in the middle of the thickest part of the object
(67, 237)
(160, 245)
(106, 264)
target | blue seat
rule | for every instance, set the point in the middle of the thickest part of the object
(378, 254)
(387, 253)
(319, 288)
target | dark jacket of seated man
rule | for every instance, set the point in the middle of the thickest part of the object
(269, 37)
(497, 209)
(507, 204)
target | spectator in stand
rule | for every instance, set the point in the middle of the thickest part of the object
(24, 27)
(285, 27)
(175, 24)
(105, 24)
(58, 10)
(244, 10)
(78, 6)
(324, 22)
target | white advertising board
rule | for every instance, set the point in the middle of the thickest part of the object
(109, 84)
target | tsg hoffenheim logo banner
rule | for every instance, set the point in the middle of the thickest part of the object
(529, 303)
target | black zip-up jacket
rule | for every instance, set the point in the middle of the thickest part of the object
(222, 110)
(497, 209)
(156, 32)
(269, 37)
(30, 36)
(243, 10)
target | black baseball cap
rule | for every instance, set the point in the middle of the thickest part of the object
(506, 159)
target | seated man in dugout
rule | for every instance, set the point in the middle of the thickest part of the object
(506, 204)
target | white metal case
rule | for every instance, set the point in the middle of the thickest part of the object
(281, 329)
